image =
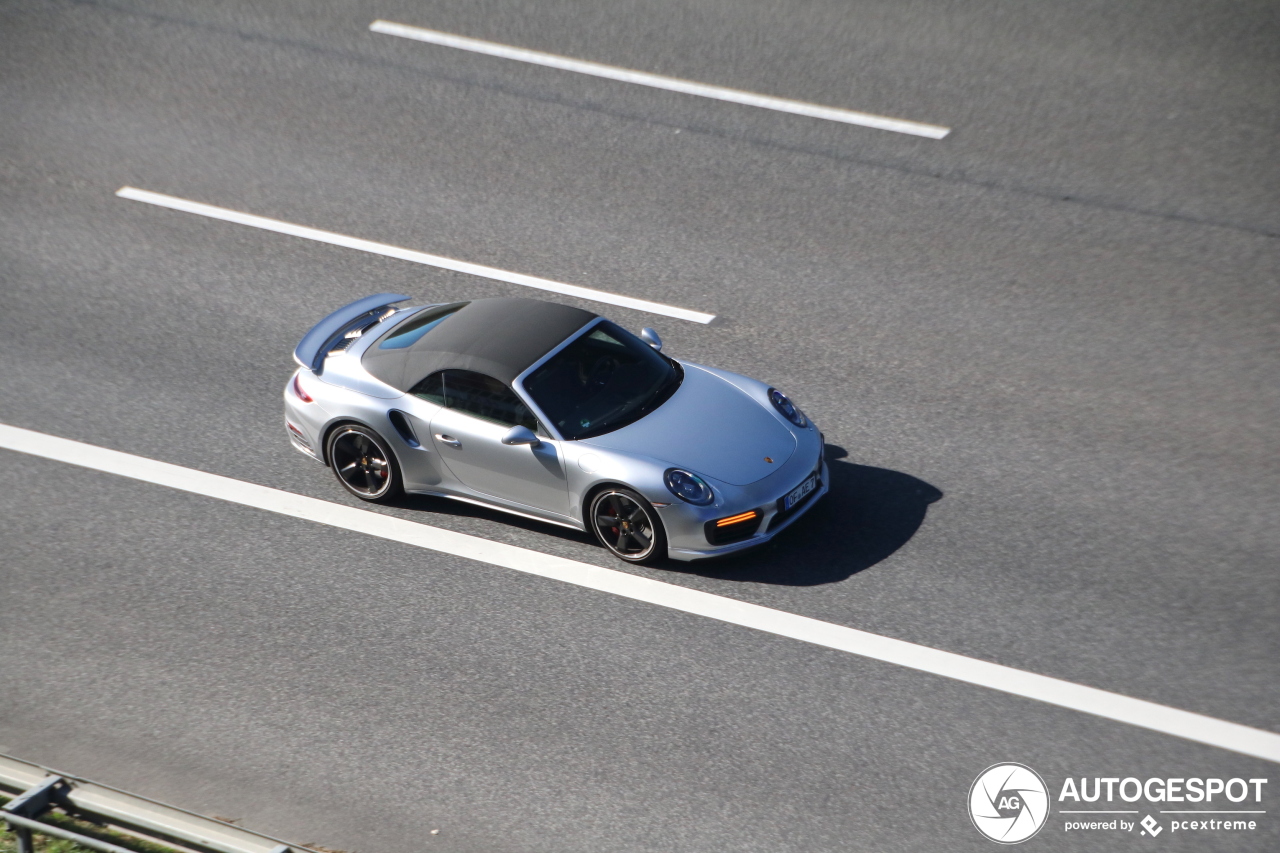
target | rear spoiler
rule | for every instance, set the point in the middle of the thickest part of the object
(316, 343)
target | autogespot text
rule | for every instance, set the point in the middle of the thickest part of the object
(1190, 790)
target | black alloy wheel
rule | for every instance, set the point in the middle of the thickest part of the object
(364, 464)
(628, 526)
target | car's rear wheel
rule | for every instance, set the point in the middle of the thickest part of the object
(627, 525)
(364, 463)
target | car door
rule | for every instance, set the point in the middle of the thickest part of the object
(467, 432)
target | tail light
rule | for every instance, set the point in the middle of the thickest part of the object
(297, 389)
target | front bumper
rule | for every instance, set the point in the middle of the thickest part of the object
(773, 523)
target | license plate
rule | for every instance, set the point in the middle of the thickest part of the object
(799, 492)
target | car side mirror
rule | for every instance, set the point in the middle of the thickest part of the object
(521, 435)
(650, 337)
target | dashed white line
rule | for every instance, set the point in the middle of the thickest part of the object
(1090, 700)
(281, 227)
(658, 81)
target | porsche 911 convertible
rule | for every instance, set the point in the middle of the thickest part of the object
(552, 413)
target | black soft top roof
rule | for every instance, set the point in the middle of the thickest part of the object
(497, 337)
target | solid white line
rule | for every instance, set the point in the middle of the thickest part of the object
(228, 215)
(657, 81)
(1090, 700)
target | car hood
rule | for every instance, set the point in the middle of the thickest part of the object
(709, 427)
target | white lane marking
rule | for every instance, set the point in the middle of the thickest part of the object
(657, 81)
(1090, 700)
(281, 227)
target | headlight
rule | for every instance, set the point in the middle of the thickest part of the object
(783, 404)
(688, 487)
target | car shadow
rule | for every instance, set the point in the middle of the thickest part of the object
(459, 509)
(868, 514)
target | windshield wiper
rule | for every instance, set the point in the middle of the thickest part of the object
(660, 396)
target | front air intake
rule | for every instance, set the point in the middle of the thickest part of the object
(733, 528)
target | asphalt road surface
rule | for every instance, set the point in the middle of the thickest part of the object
(1043, 350)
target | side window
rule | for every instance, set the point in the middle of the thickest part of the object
(431, 388)
(485, 397)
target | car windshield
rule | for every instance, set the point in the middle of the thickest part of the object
(602, 381)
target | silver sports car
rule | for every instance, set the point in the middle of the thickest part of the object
(556, 414)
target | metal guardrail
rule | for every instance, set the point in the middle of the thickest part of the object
(38, 788)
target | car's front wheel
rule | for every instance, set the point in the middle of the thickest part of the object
(627, 525)
(364, 463)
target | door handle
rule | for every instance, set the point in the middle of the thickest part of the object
(449, 440)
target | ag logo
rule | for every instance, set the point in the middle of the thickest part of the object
(1008, 803)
